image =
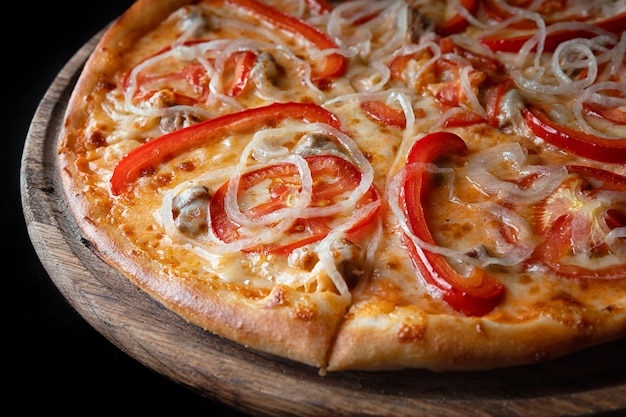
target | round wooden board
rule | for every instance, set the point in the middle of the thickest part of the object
(585, 383)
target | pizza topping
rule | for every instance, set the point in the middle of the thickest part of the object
(318, 143)
(605, 100)
(527, 30)
(369, 30)
(455, 19)
(383, 113)
(192, 72)
(278, 210)
(302, 204)
(302, 189)
(550, 12)
(573, 66)
(575, 141)
(506, 112)
(190, 210)
(307, 190)
(334, 65)
(419, 24)
(144, 158)
(504, 171)
(584, 223)
(475, 293)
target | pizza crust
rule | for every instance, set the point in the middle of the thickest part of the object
(408, 338)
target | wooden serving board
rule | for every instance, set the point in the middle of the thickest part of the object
(585, 383)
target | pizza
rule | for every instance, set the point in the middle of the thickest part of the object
(362, 185)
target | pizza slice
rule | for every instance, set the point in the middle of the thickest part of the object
(493, 257)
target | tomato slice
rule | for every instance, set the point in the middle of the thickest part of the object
(190, 84)
(143, 159)
(475, 295)
(576, 224)
(575, 141)
(187, 86)
(333, 176)
(487, 64)
(448, 90)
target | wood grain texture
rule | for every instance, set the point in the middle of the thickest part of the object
(589, 382)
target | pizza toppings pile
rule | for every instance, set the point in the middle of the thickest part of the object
(363, 185)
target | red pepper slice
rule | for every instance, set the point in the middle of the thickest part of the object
(571, 140)
(575, 224)
(332, 177)
(240, 63)
(335, 63)
(457, 23)
(615, 24)
(475, 295)
(383, 113)
(144, 158)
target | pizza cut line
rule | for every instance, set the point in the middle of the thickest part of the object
(363, 185)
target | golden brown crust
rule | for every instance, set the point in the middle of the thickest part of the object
(445, 342)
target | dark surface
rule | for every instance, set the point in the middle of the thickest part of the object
(56, 361)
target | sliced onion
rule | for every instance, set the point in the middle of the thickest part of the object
(324, 249)
(538, 39)
(592, 95)
(359, 41)
(268, 147)
(616, 239)
(508, 254)
(233, 210)
(565, 84)
(478, 172)
(469, 92)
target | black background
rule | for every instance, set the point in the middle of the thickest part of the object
(55, 361)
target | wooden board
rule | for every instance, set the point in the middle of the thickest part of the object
(585, 383)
